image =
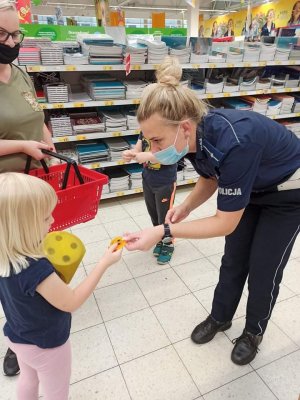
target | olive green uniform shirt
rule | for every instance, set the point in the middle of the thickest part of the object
(21, 117)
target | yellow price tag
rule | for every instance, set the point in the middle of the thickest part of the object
(297, 114)
(190, 181)
(226, 94)
(288, 90)
(292, 62)
(43, 106)
(262, 63)
(81, 137)
(273, 91)
(58, 105)
(135, 67)
(120, 194)
(109, 103)
(136, 101)
(121, 162)
(95, 165)
(34, 68)
(117, 134)
(155, 66)
(243, 93)
(196, 66)
(209, 96)
(247, 65)
(70, 68)
(107, 68)
(278, 63)
(139, 190)
(211, 65)
(137, 131)
(78, 105)
(63, 139)
(230, 65)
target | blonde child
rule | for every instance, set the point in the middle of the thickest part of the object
(37, 304)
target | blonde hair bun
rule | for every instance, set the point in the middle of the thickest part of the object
(169, 72)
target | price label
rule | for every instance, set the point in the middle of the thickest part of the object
(81, 137)
(109, 103)
(107, 68)
(297, 114)
(230, 65)
(247, 65)
(226, 94)
(288, 90)
(78, 105)
(121, 162)
(70, 68)
(211, 65)
(190, 181)
(155, 66)
(243, 93)
(196, 66)
(120, 194)
(34, 68)
(262, 63)
(273, 91)
(63, 139)
(278, 63)
(137, 131)
(58, 105)
(117, 134)
(136, 101)
(292, 62)
(209, 96)
(95, 165)
(135, 67)
(139, 190)
(43, 106)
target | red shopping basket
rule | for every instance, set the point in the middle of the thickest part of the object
(78, 190)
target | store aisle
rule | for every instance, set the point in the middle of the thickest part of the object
(131, 338)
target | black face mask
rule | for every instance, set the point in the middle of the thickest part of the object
(8, 54)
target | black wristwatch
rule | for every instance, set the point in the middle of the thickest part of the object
(167, 238)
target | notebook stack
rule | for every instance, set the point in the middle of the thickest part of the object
(251, 52)
(92, 152)
(248, 84)
(118, 179)
(237, 104)
(234, 54)
(292, 125)
(267, 52)
(292, 79)
(76, 59)
(60, 124)
(189, 171)
(116, 146)
(263, 83)
(131, 140)
(258, 104)
(157, 50)
(101, 49)
(88, 122)
(30, 56)
(52, 55)
(217, 57)
(287, 102)
(36, 42)
(103, 87)
(274, 107)
(135, 175)
(214, 86)
(114, 121)
(231, 85)
(177, 48)
(132, 122)
(200, 49)
(296, 106)
(134, 89)
(295, 52)
(138, 52)
(57, 92)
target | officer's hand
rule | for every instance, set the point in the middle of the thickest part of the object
(177, 214)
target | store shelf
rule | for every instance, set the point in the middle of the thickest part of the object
(150, 67)
(105, 164)
(140, 190)
(97, 135)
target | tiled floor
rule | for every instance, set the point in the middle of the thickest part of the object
(131, 338)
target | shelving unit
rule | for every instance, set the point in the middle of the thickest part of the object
(148, 67)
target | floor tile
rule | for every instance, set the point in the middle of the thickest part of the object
(118, 228)
(205, 296)
(284, 293)
(95, 251)
(161, 286)
(184, 252)
(135, 335)
(120, 299)
(3, 346)
(198, 274)
(275, 343)
(283, 376)
(296, 248)
(286, 316)
(87, 315)
(91, 234)
(8, 386)
(136, 208)
(210, 247)
(109, 385)
(143, 221)
(111, 212)
(216, 259)
(142, 263)
(1, 311)
(159, 376)
(179, 316)
(291, 275)
(248, 387)
(91, 353)
(209, 364)
(115, 274)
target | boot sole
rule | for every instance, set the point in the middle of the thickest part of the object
(209, 338)
(243, 362)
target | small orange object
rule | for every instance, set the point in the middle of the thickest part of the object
(120, 241)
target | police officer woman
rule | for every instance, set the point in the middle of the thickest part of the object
(254, 164)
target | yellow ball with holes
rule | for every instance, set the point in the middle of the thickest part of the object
(65, 252)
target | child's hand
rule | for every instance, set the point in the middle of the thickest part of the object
(112, 255)
(141, 157)
(128, 155)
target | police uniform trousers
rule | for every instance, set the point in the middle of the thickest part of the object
(259, 250)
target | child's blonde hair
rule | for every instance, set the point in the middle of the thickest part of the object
(168, 98)
(6, 5)
(25, 203)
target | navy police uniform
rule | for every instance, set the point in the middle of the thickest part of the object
(255, 161)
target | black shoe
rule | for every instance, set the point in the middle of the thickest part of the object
(10, 364)
(207, 330)
(245, 348)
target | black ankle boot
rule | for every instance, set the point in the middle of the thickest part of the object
(206, 330)
(245, 348)
(10, 364)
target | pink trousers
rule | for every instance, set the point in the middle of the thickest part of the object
(49, 367)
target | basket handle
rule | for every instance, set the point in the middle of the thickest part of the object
(70, 162)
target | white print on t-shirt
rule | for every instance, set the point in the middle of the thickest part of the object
(230, 192)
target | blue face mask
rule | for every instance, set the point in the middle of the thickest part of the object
(170, 155)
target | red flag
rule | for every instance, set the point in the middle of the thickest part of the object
(127, 64)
